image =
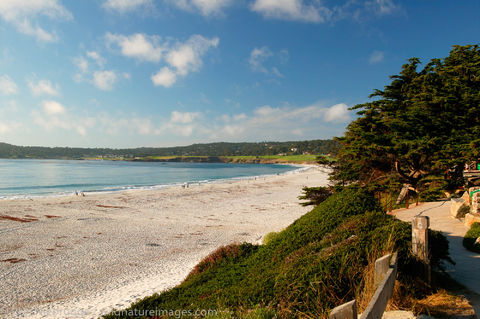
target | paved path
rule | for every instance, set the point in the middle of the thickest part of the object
(467, 268)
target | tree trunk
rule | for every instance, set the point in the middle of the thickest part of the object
(403, 193)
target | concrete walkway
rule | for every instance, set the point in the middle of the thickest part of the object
(467, 268)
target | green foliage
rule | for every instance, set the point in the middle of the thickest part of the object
(464, 210)
(265, 158)
(470, 238)
(325, 160)
(315, 195)
(229, 253)
(269, 238)
(304, 271)
(424, 123)
(212, 149)
(431, 188)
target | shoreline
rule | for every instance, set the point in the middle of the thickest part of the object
(81, 257)
(297, 168)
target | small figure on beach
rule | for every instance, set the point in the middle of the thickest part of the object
(83, 194)
(76, 193)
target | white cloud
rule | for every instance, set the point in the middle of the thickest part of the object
(82, 64)
(15, 9)
(182, 124)
(382, 7)
(81, 130)
(165, 77)
(187, 57)
(291, 10)
(139, 46)
(376, 57)
(104, 80)
(257, 57)
(143, 126)
(185, 130)
(42, 87)
(206, 7)
(359, 11)
(55, 116)
(133, 125)
(263, 123)
(123, 6)
(5, 128)
(20, 12)
(96, 57)
(276, 72)
(7, 85)
(180, 58)
(37, 32)
(52, 107)
(286, 122)
(314, 11)
(49, 123)
(239, 117)
(337, 113)
(184, 117)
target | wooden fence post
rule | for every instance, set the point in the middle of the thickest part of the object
(420, 225)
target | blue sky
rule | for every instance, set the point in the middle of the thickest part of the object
(129, 73)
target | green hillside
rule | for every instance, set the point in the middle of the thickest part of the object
(211, 149)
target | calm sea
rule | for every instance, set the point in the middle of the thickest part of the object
(30, 178)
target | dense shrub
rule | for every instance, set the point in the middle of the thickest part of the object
(470, 238)
(315, 195)
(228, 253)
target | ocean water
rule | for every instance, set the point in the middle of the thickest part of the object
(32, 178)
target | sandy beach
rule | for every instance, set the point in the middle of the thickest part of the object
(80, 257)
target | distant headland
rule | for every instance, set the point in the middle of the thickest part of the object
(260, 152)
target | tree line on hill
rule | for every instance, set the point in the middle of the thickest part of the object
(210, 149)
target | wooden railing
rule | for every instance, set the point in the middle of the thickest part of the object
(385, 274)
